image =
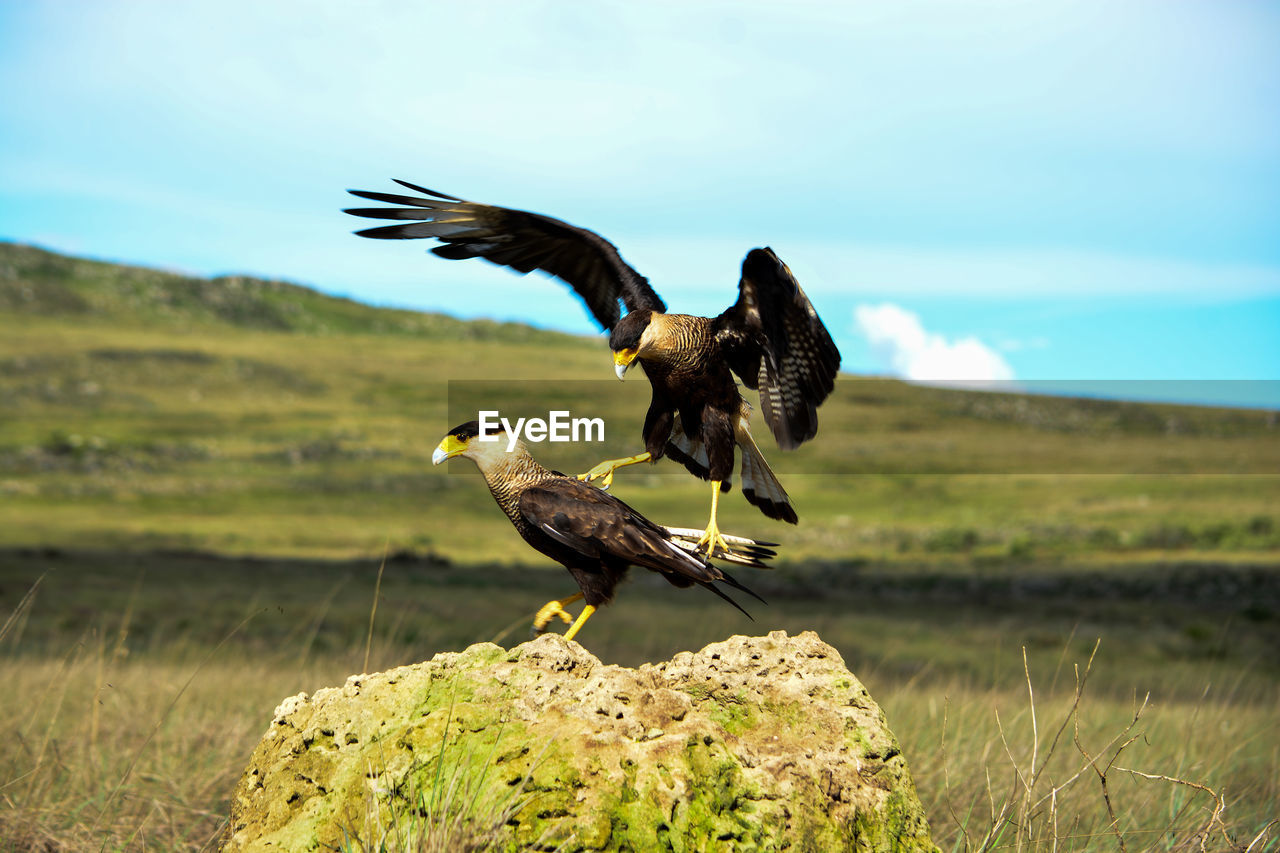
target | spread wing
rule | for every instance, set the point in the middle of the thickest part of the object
(522, 241)
(776, 343)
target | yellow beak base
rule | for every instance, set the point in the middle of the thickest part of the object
(447, 449)
(622, 359)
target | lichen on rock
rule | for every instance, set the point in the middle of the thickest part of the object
(753, 743)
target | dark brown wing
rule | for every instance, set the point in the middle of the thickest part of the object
(595, 523)
(776, 343)
(522, 241)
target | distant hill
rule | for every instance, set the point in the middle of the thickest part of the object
(146, 409)
(39, 282)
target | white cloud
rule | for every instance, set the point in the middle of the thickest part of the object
(901, 342)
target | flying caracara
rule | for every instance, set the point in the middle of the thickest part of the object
(589, 531)
(771, 338)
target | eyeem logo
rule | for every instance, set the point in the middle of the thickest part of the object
(558, 427)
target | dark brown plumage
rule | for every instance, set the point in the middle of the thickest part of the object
(522, 241)
(590, 532)
(771, 338)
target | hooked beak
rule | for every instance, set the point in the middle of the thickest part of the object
(447, 449)
(622, 360)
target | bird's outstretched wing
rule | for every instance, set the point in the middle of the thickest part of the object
(522, 241)
(776, 344)
(598, 525)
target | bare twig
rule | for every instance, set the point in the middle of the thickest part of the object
(1219, 804)
(377, 587)
(1024, 817)
(946, 774)
(1092, 762)
(1261, 836)
(23, 606)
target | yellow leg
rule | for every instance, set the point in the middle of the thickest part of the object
(711, 538)
(605, 469)
(573, 629)
(551, 610)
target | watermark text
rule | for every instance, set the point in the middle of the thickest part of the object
(559, 426)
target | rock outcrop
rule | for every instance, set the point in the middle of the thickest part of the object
(754, 743)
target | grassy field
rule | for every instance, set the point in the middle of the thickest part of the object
(141, 410)
(198, 481)
(139, 684)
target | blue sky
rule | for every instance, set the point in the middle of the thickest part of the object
(1041, 191)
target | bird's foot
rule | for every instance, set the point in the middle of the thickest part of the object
(551, 610)
(712, 541)
(604, 469)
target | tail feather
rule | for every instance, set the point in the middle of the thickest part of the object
(759, 484)
(741, 551)
(721, 593)
(729, 580)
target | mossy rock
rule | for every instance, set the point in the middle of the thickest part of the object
(756, 743)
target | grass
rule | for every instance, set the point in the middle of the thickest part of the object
(199, 480)
(118, 684)
(1055, 775)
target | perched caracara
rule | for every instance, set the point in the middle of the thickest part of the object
(589, 531)
(771, 338)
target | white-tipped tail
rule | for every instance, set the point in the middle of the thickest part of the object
(741, 550)
(759, 484)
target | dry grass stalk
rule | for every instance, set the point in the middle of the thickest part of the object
(1029, 815)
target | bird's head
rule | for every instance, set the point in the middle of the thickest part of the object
(464, 440)
(629, 340)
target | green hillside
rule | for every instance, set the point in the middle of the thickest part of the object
(38, 283)
(142, 409)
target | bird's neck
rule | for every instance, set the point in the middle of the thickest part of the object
(674, 341)
(497, 463)
(508, 474)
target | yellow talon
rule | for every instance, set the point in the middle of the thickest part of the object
(711, 537)
(714, 542)
(606, 468)
(552, 610)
